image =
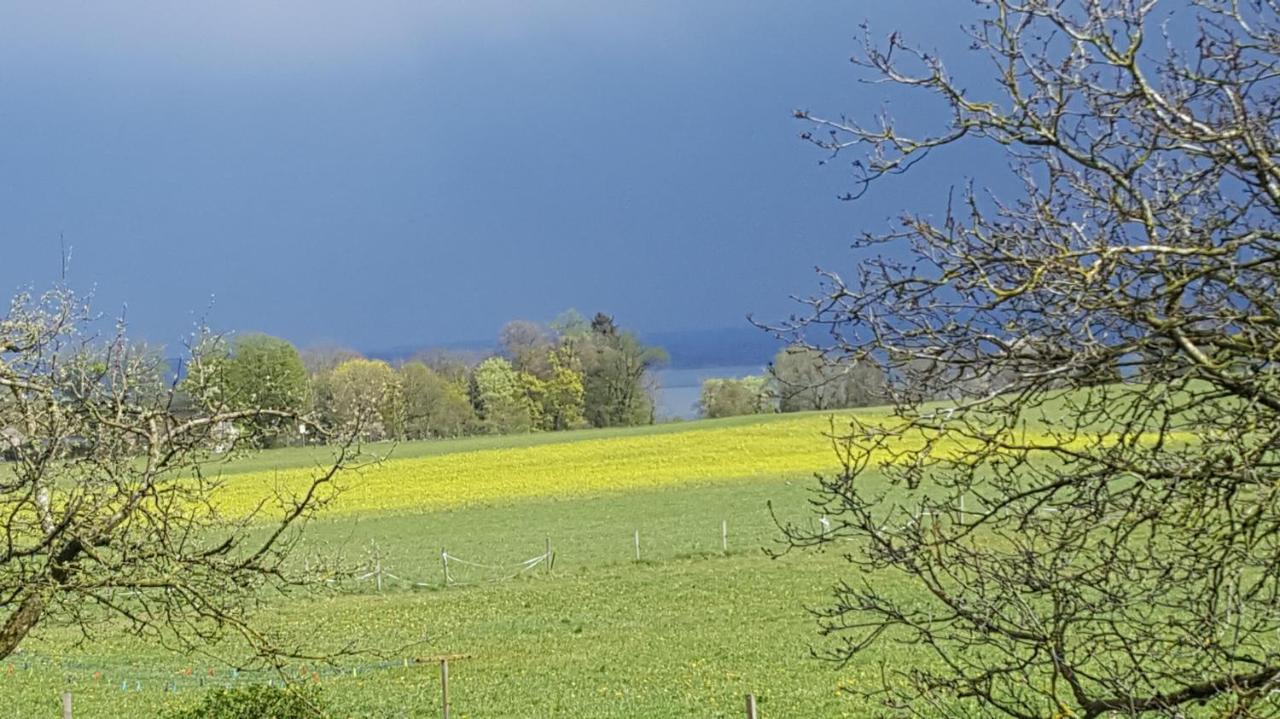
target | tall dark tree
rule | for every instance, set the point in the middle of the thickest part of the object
(603, 325)
(617, 371)
(1073, 547)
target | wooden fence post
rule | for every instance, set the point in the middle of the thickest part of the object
(547, 562)
(637, 545)
(724, 536)
(444, 687)
(444, 562)
(443, 660)
(751, 707)
(66, 705)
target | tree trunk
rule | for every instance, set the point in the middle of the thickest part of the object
(20, 623)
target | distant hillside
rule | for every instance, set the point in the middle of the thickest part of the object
(726, 346)
(688, 349)
(473, 350)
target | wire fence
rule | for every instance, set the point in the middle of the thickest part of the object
(497, 572)
(455, 571)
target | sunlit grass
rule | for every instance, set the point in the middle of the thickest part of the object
(684, 632)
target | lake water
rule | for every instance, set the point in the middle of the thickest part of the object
(678, 388)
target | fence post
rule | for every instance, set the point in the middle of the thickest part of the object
(751, 707)
(377, 571)
(66, 705)
(444, 562)
(444, 687)
(547, 561)
(724, 536)
(637, 545)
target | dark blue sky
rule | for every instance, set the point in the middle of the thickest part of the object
(382, 174)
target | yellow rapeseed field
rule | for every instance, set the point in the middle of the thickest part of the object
(786, 447)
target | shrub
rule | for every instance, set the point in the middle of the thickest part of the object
(257, 701)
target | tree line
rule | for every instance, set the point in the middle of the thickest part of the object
(572, 373)
(799, 379)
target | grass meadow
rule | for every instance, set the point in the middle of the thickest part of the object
(685, 631)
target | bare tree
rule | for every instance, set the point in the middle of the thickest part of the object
(322, 359)
(1061, 544)
(110, 510)
(528, 345)
(805, 379)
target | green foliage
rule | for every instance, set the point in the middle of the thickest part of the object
(502, 397)
(364, 396)
(563, 398)
(598, 636)
(573, 374)
(533, 393)
(434, 406)
(265, 372)
(254, 371)
(617, 375)
(256, 701)
(571, 324)
(549, 369)
(734, 397)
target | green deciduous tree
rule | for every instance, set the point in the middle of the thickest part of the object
(433, 405)
(617, 371)
(563, 398)
(725, 397)
(502, 397)
(365, 399)
(259, 370)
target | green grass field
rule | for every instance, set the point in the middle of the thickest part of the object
(684, 632)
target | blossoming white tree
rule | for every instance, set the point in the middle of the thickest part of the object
(107, 504)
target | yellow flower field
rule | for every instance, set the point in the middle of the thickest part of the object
(784, 447)
(792, 446)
